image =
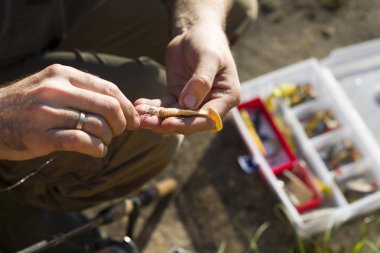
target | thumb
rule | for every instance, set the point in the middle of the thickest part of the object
(199, 85)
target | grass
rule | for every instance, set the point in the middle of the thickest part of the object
(362, 244)
(252, 239)
(327, 243)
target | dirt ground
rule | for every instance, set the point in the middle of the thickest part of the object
(216, 202)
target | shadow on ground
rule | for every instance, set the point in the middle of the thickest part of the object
(244, 202)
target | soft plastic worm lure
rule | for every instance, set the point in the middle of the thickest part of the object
(175, 112)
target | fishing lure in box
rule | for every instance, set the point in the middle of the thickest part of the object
(265, 134)
(320, 122)
(273, 146)
(291, 94)
(340, 153)
(357, 187)
(299, 186)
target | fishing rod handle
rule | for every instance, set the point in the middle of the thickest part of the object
(155, 192)
(165, 187)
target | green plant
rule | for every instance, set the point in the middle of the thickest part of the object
(252, 239)
(222, 247)
(314, 245)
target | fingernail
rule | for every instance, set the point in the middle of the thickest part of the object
(145, 108)
(190, 101)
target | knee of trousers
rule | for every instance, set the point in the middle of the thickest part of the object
(136, 78)
(130, 166)
(148, 163)
(141, 155)
(242, 14)
(164, 152)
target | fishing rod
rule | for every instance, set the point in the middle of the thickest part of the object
(130, 206)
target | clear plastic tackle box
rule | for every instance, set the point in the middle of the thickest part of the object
(347, 83)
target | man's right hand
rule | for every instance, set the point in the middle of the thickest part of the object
(39, 114)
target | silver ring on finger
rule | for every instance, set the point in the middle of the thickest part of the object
(82, 118)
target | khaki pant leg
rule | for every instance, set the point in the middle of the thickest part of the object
(73, 181)
(129, 28)
(133, 28)
(242, 14)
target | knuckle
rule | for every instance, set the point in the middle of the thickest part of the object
(54, 70)
(111, 106)
(73, 139)
(95, 150)
(232, 97)
(97, 153)
(122, 126)
(205, 83)
(86, 77)
(107, 139)
(101, 129)
(44, 88)
(110, 88)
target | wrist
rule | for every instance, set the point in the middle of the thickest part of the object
(184, 24)
(186, 15)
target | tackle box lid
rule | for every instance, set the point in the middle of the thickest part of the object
(356, 68)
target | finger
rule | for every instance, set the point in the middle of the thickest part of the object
(187, 125)
(178, 125)
(96, 126)
(90, 102)
(222, 101)
(92, 124)
(200, 84)
(218, 104)
(152, 123)
(107, 88)
(105, 106)
(149, 121)
(76, 141)
(145, 109)
(60, 118)
(144, 105)
(182, 125)
(97, 85)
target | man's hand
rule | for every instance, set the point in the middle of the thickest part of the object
(201, 73)
(39, 114)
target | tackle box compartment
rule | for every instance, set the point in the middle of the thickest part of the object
(347, 82)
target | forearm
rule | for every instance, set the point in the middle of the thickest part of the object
(186, 14)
